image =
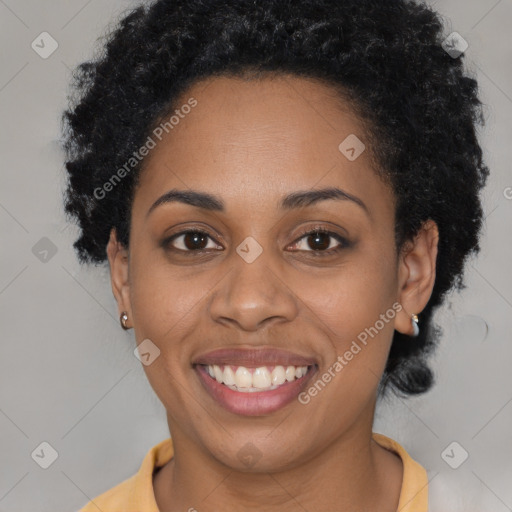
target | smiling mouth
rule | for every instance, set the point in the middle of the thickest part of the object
(250, 380)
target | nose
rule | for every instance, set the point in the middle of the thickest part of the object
(253, 295)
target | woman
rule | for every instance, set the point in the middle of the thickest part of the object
(284, 193)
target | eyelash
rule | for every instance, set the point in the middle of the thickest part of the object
(320, 229)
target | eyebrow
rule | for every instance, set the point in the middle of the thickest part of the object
(294, 200)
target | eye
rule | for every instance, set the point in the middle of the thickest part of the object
(322, 241)
(193, 240)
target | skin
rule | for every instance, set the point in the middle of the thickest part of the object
(251, 143)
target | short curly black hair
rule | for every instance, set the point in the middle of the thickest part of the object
(418, 105)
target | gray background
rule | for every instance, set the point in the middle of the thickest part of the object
(68, 375)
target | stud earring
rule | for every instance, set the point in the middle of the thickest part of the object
(122, 319)
(414, 321)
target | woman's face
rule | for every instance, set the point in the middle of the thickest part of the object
(254, 295)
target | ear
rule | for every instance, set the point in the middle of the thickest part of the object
(119, 274)
(417, 274)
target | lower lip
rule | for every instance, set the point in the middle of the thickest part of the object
(255, 403)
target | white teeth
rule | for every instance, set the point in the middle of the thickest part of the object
(278, 376)
(290, 373)
(261, 378)
(243, 378)
(218, 374)
(257, 379)
(229, 376)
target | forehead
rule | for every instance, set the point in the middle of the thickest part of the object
(254, 140)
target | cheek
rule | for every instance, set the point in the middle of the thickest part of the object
(352, 297)
(354, 309)
(165, 300)
(165, 307)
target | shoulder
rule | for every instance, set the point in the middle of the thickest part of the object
(414, 492)
(120, 497)
(135, 494)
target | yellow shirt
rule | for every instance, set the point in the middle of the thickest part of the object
(135, 494)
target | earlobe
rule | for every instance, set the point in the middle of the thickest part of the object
(417, 273)
(119, 273)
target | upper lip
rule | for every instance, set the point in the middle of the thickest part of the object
(253, 358)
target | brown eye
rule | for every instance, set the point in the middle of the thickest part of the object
(320, 240)
(190, 241)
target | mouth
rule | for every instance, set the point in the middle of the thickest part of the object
(254, 382)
